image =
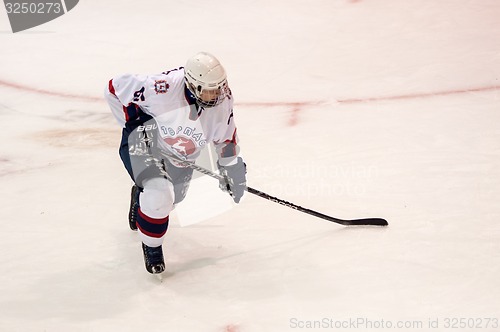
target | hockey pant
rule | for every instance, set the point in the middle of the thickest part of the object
(163, 185)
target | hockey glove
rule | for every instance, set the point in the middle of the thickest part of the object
(234, 180)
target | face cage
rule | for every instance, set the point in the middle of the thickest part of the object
(211, 103)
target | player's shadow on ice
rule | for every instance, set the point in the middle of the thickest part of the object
(203, 262)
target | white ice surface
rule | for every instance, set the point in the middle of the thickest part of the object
(430, 165)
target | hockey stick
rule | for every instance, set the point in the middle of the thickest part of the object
(352, 222)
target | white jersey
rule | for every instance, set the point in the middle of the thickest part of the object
(184, 127)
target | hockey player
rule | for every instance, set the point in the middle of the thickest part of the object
(167, 118)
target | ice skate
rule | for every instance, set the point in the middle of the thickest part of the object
(153, 259)
(134, 207)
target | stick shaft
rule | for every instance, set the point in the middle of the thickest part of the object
(353, 222)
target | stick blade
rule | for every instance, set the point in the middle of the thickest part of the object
(367, 222)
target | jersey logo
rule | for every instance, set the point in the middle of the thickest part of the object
(161, 86)
(139, 95)
(183, 145)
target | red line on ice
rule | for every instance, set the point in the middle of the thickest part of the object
(66, 95)
(295, 107)
(418, 95)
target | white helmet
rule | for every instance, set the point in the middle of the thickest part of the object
(206, 79)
